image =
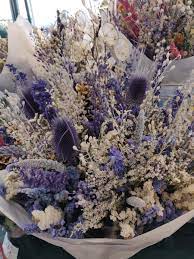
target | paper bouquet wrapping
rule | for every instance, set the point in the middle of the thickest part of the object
(99, 248)
(97, 158)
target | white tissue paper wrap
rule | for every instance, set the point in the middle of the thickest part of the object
(99, 248)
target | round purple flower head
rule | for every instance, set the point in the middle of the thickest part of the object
(136, 89)
(30, 107)
(64, 138)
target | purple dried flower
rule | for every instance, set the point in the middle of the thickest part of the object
(12, 68)
(64, 138)
(165, 116)
(191, 128)
(58, 231)
(102, 69)
(11, 150)
(136, 90)
(84, 191)
(74, 233)
(94, 126)
(50, 114)
(37, 205)
(147, 138)
(36, 198)
(61, 196)
(39, 178)
(30, 107)
(65, 227)
(159, 145)
(117, 162)
(2, 190)
(131, 143)
(77, 234)
(42, 97)
(169, 213)
(176, 102)
(30, 229)
(5, 139)
(115, 86)
(70, 210)
(73, 176)
(149, 215)
(135, 110)
(159, 186)
(21, 76)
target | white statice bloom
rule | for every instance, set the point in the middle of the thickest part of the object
(13, 184)
(45, 219)
(85, 146)
(147, 194)
(184, 197)
(127, 231)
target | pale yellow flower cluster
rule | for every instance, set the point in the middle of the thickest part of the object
(184, 197)
(45, 219)
(13, 184)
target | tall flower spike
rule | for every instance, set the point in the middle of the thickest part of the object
(136, 90)
(64, 138)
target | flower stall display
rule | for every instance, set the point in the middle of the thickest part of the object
(158, 24)
(97, 165)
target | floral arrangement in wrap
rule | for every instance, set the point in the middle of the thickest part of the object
(92, 150)
(158, 24)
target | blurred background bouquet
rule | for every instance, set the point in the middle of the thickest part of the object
(158, 24)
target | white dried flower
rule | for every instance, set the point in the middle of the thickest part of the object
(127, 231)
(45, 219)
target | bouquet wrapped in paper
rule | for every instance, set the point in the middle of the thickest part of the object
(96, 162)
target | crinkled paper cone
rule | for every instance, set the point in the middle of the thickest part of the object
(99, 248)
